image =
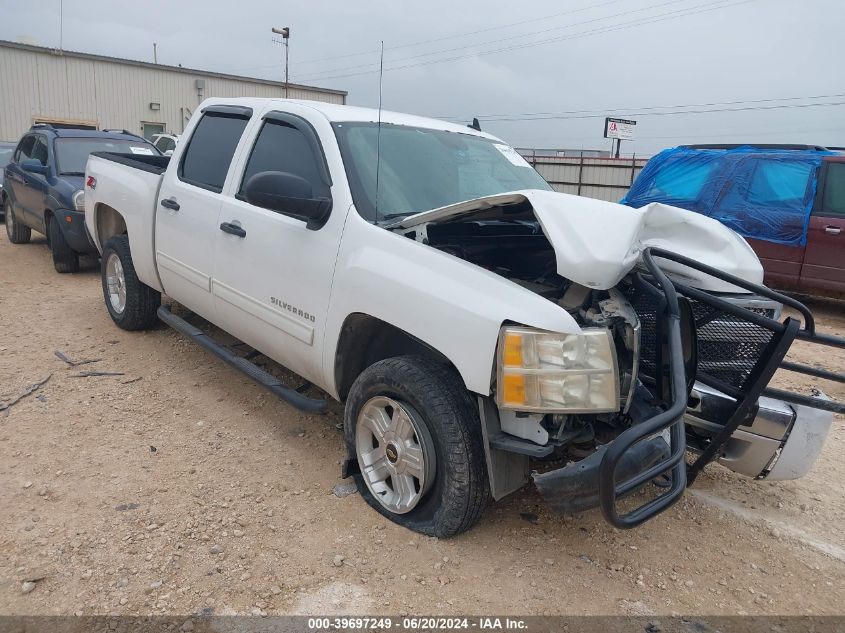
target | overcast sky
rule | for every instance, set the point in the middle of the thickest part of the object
(581, 58)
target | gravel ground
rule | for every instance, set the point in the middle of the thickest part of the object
(181, 487)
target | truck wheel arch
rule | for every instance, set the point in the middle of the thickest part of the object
(109, 222)
(365, 340)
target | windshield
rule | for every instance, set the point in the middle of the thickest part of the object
(422, 169)
(72, 153)
(5, 155)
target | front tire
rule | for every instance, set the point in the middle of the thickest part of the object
(65, 259)
(17, 232)
(416, 434)
(132, 304)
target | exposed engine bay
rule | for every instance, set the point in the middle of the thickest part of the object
(720, 342)
(512, 244)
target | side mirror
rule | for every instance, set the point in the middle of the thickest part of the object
(288, 194)
(33, 166)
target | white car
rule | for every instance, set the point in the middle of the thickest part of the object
(165, 143)
(470, 318)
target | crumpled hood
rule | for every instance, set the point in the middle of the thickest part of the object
(597, 243)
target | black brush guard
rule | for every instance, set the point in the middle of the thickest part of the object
(742, 371)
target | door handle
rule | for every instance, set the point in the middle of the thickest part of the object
(232, 229)
(832, 230)
(170, 203)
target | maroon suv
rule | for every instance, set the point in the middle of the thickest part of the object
(819, 266)
(788, 201)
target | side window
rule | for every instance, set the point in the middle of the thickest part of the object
(39, 152)
(24, 150)
(210, 150)
(282, 147)
(833, 197)
(166, 144)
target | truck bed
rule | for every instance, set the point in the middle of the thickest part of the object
(128, 184)
(153, 164)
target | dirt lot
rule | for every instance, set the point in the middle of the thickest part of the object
(181, 487)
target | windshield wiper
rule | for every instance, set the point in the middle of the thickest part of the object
(393, 216)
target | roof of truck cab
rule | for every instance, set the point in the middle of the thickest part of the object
(343, 114)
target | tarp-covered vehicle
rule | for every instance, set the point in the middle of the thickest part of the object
(788, 201)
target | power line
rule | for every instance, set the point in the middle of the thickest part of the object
(373, 51)
(543, 115)
(570, 140)
(641, 114)
(505, 39)
(639, 22)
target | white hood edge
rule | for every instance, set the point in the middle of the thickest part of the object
(597, 243)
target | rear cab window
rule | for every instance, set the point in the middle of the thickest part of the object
(165, 144)
(208, 155)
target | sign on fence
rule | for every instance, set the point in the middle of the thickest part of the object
(622, 129)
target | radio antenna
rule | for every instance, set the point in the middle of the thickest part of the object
(378, 132)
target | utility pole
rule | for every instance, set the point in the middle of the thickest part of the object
(285, 33)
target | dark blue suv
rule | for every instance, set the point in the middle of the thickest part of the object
(43, 186)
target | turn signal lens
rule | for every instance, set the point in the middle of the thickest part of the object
(513, 389)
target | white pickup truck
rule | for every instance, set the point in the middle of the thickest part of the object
(474, 322)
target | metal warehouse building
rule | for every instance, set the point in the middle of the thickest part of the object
(45, 85)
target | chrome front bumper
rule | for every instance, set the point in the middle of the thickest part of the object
(783, 440)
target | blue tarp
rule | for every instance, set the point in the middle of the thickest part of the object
(760, 193)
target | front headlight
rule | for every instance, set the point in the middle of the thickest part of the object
(79, 200)
(557, 373)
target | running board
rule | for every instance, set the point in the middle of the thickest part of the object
(263, 378)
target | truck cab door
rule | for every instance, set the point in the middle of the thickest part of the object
(189, 203)
(824, 261)
(273, 274)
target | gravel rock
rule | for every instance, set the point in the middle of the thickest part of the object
(337, 561)
(27, 586)
(216, 549)
(344, 490)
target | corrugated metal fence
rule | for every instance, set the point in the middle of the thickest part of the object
(601, 178)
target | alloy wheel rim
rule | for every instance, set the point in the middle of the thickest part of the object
(395, 453)
(116, 283)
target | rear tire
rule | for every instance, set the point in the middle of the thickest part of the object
(132, 304)
(17, 232)
(65, 259)
(450, 487)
